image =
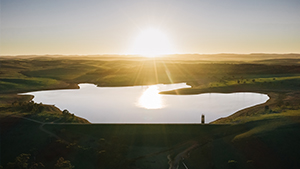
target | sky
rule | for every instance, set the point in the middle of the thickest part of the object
(83, 27)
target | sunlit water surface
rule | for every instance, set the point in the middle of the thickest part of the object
(144, 104)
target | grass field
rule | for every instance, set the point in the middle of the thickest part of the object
(263, 136)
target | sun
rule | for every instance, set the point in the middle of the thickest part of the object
(152, 42)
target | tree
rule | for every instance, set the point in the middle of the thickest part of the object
(266, 107)
(63, 164)
(66, 112)
(20, 162)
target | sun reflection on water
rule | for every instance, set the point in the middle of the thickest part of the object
(151, 99)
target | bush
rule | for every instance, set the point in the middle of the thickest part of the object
(63, 164)
(30, 107)
(20, 162)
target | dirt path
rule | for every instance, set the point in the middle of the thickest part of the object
(181, 156)
(48, 132)
(41, 126)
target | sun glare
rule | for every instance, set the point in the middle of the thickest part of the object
(150, 99)
(151, 43)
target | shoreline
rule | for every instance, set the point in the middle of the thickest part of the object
(247, 111)
(187, 91)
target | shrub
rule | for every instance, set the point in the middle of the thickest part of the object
(63, 164)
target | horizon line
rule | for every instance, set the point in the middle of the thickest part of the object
(140, 55)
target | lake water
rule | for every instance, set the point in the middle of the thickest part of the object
(144, 104)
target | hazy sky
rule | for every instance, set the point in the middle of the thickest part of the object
(110, 27)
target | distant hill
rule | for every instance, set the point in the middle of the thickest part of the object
(198, 57)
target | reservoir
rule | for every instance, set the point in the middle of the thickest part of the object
(144, 104)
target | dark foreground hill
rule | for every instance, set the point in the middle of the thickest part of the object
(271, 143)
